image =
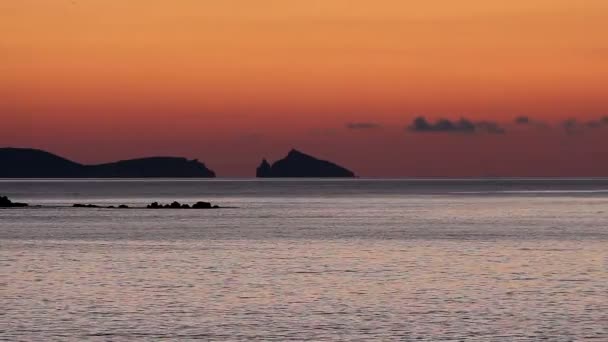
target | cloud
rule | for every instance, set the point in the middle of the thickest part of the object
(522, 120)
(362, 125)
(421, 125)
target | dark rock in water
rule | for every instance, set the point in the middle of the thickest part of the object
(177, 205)
(79, 205)
(7, 203)
(298, 164)
(154, 206)
(31, 163)
(201, 205)
(264, 170)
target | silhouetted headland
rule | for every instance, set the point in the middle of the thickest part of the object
(5, 202)
(298, 164)
(31, 163)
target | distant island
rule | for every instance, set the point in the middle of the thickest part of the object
(32, 163)
(298, 164)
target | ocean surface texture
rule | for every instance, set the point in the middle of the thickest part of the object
(322, 260)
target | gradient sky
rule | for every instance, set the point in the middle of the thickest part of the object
(232, 81)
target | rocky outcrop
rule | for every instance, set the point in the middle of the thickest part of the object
(264, 170)
(30, 163)
(80, 205)
(298, 164)
(5, 202)
(177, 205)
(155, 205)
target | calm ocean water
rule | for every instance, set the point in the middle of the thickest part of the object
(475, 260)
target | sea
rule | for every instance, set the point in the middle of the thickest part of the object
(306, 260)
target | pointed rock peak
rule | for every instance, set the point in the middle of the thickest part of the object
(298, 164)
(264, 170)
(295, 153)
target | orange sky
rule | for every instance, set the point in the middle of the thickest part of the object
(232, 81)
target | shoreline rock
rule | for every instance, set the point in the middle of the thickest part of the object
(5, 202)
(80, 205)
(177, 205)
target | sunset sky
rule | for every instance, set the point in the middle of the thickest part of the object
(232, 81)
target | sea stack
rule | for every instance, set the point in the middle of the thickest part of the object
(298, 165)
(264, 170)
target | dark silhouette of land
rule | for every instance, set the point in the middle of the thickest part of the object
(31, 163)
(5, 202)
(155, 205)
(298, 164)
(177, 205)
